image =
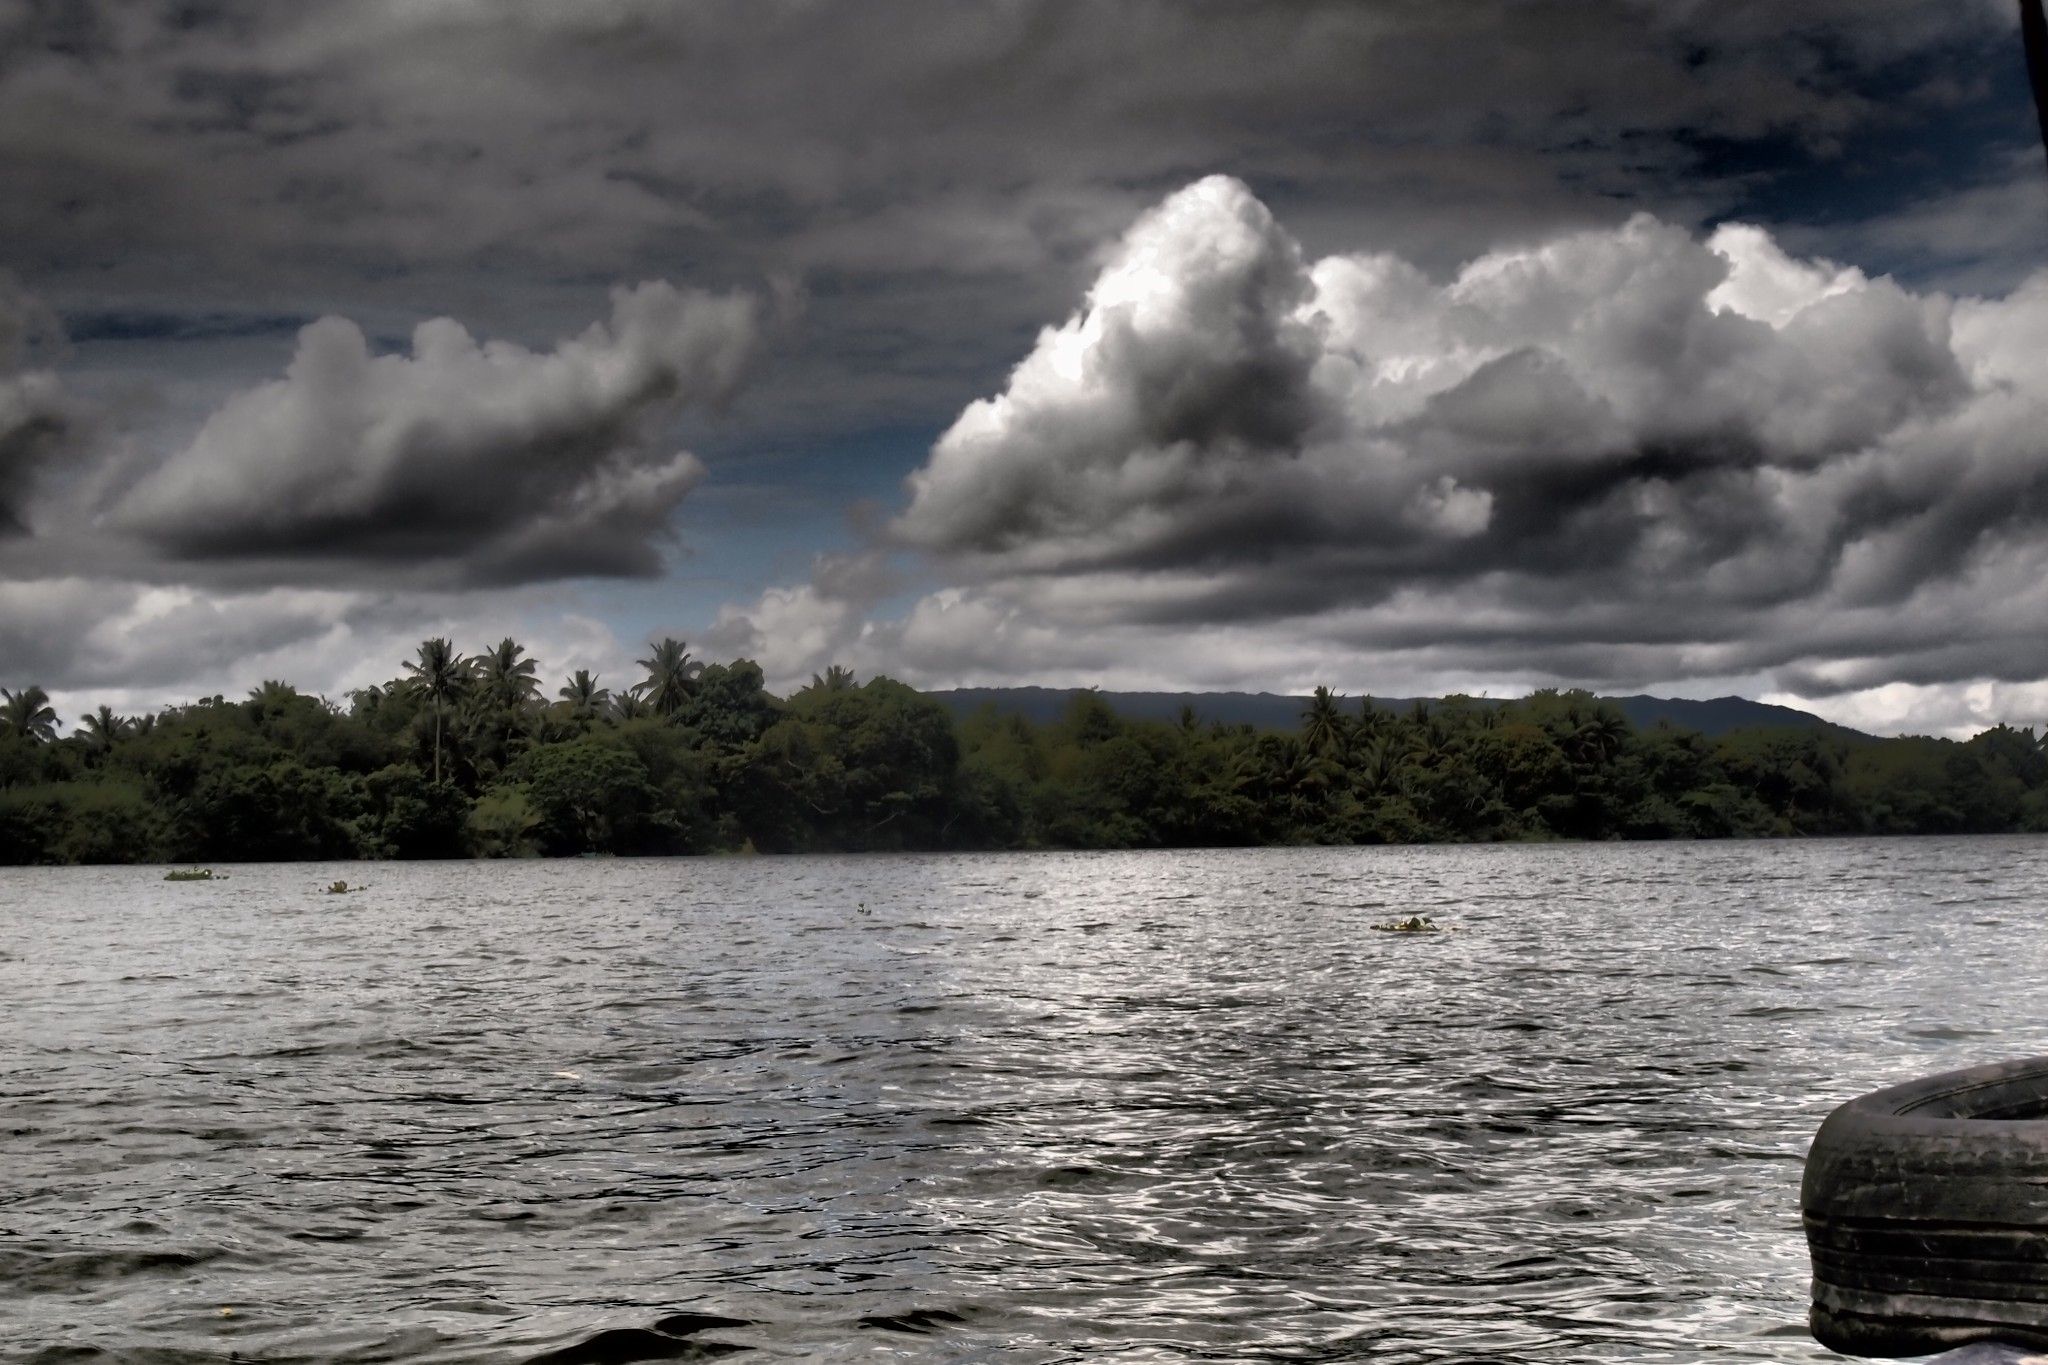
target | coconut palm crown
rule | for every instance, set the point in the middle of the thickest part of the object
(101, 729)
(583, 696)
(1323, 727)
(833, 679)
(508, 675)
(670, 674)
(28, 714)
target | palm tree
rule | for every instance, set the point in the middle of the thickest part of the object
(670, 670)
(585, 698)
(509, 675)
(1600, 737)
(27, 714)
(364, 702)
(101, 729)
(1379, 769)
(272, 698)
(833, 679)
(441, 678)
(629, 705)
(1429, 740)
(1294, 778)
(1322, 726)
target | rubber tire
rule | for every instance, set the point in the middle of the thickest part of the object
(1926, 1211)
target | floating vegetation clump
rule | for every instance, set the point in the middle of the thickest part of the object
(190, 874)
(1414, 924)
(343, 888)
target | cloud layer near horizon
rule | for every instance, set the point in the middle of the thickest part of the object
(1624, 456)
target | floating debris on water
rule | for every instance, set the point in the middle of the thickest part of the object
(1414, 924)
(191, 874)
(343, 888)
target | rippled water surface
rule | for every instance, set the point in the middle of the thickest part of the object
(1021, 1108)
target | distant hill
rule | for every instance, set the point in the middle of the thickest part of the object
(1721, 714)
(1273, 711)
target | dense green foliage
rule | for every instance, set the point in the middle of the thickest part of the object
(464, 757)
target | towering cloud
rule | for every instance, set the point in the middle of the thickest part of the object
(487, 460)
(1626, 455)
(1188, 372)
(1625, 396)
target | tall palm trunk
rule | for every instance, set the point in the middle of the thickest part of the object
(438, 675)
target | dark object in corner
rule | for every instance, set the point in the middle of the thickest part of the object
(2034, 35)
(1926, 1209)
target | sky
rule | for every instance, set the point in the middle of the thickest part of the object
(1692, 347)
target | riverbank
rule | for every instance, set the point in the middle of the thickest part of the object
(399, 774)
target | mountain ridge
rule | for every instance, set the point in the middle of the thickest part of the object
(1282, 711)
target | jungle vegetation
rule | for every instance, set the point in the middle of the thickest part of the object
(467, 756)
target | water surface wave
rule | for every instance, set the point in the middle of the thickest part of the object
(1029, 1108)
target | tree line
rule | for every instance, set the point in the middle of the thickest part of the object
(465, 756)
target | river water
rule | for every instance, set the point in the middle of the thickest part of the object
(1043, 1107)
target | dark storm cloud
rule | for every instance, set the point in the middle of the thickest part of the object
(159, 324)
(980, 151)
(939, 174)
(492, 462)
(836, 110)
(33, 415)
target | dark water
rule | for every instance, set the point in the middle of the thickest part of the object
(1022, 1108)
